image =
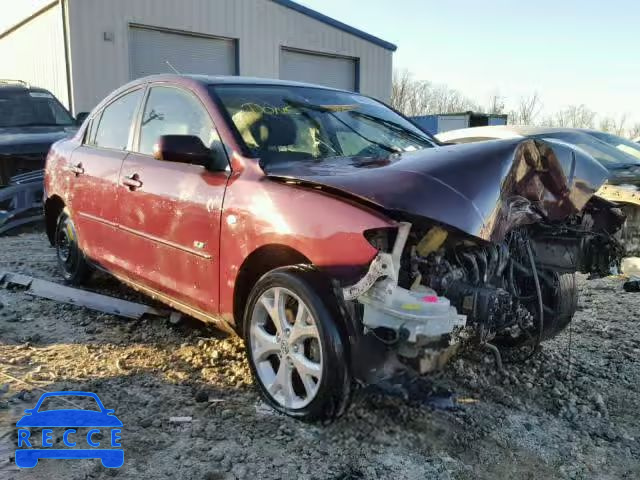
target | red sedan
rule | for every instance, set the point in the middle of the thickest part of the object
(337, 238)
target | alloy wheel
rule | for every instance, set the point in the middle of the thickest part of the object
(286, 348)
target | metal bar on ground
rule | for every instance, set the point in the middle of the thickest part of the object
(78, 297)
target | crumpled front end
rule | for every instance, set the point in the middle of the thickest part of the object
(628, 197)
(434, 287)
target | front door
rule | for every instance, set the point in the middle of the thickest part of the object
(170, 212)
(95, 171)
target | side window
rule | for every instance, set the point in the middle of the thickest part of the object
(171, 111)
(115, 122)
(90, 135)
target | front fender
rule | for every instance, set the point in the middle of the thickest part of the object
(325, 229)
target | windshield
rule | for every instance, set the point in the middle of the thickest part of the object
(21, 108)
(609, 156)
(280, 123)
(622, 144)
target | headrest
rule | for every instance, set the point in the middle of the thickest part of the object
(264, 130)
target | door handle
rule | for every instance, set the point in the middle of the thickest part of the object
(132, 181)
(77, 169)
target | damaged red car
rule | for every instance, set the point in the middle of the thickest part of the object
(340, 241)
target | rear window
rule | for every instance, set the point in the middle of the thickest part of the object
(115, 122)
(23, 108)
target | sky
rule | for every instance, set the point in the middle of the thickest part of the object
(569, 51)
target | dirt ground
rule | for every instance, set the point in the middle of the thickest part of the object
(569, 412)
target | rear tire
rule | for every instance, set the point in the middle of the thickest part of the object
(73, 265)
(296, 350)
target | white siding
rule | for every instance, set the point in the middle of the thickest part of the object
(35, 53)
(261, 27)
(14, 12)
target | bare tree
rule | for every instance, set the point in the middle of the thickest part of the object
(611, 125)
(527, 110)
(408, 95)
(573, 116)
(447, 100)
(496, 104)
(420, 97)
(634, 131)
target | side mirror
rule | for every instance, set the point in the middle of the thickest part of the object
(182, 149)
(81, 117)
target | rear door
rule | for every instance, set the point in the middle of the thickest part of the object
(172, 219)
(95, 169)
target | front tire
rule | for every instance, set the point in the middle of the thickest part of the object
(71, 260)
(296, 351)
(565, 303)
(562, 301)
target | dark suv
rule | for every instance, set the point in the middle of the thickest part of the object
(31, 119)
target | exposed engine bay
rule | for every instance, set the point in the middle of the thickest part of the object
(483, 255)
(431, 288)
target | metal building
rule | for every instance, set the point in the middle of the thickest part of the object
(445, 122)
(83, 49)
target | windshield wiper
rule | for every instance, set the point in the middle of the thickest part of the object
(322, 109)
(396, 127)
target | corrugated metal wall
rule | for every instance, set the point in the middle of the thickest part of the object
(261, 27)
(35, 53)
(18, 11)
(336, 72)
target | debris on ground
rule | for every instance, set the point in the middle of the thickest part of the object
(76, 296)
(180, 419)
(633, 285)
(540, 419)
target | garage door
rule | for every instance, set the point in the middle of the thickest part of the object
(150, 51)
(337, 72)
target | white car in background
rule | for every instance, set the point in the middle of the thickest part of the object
(618, 155)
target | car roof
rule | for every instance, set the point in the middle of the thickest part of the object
(504, 131)
(226, 80)
(12, 87)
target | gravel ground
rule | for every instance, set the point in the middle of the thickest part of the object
(571, 411)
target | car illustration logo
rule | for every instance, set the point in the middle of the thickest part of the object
(102, 440)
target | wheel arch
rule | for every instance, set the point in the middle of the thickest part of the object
(260, 261)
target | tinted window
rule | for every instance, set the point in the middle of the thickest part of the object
(622, 144)
(280, 123)
(31, 108)
(171, 111)
(115, 123)
(605, 154)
